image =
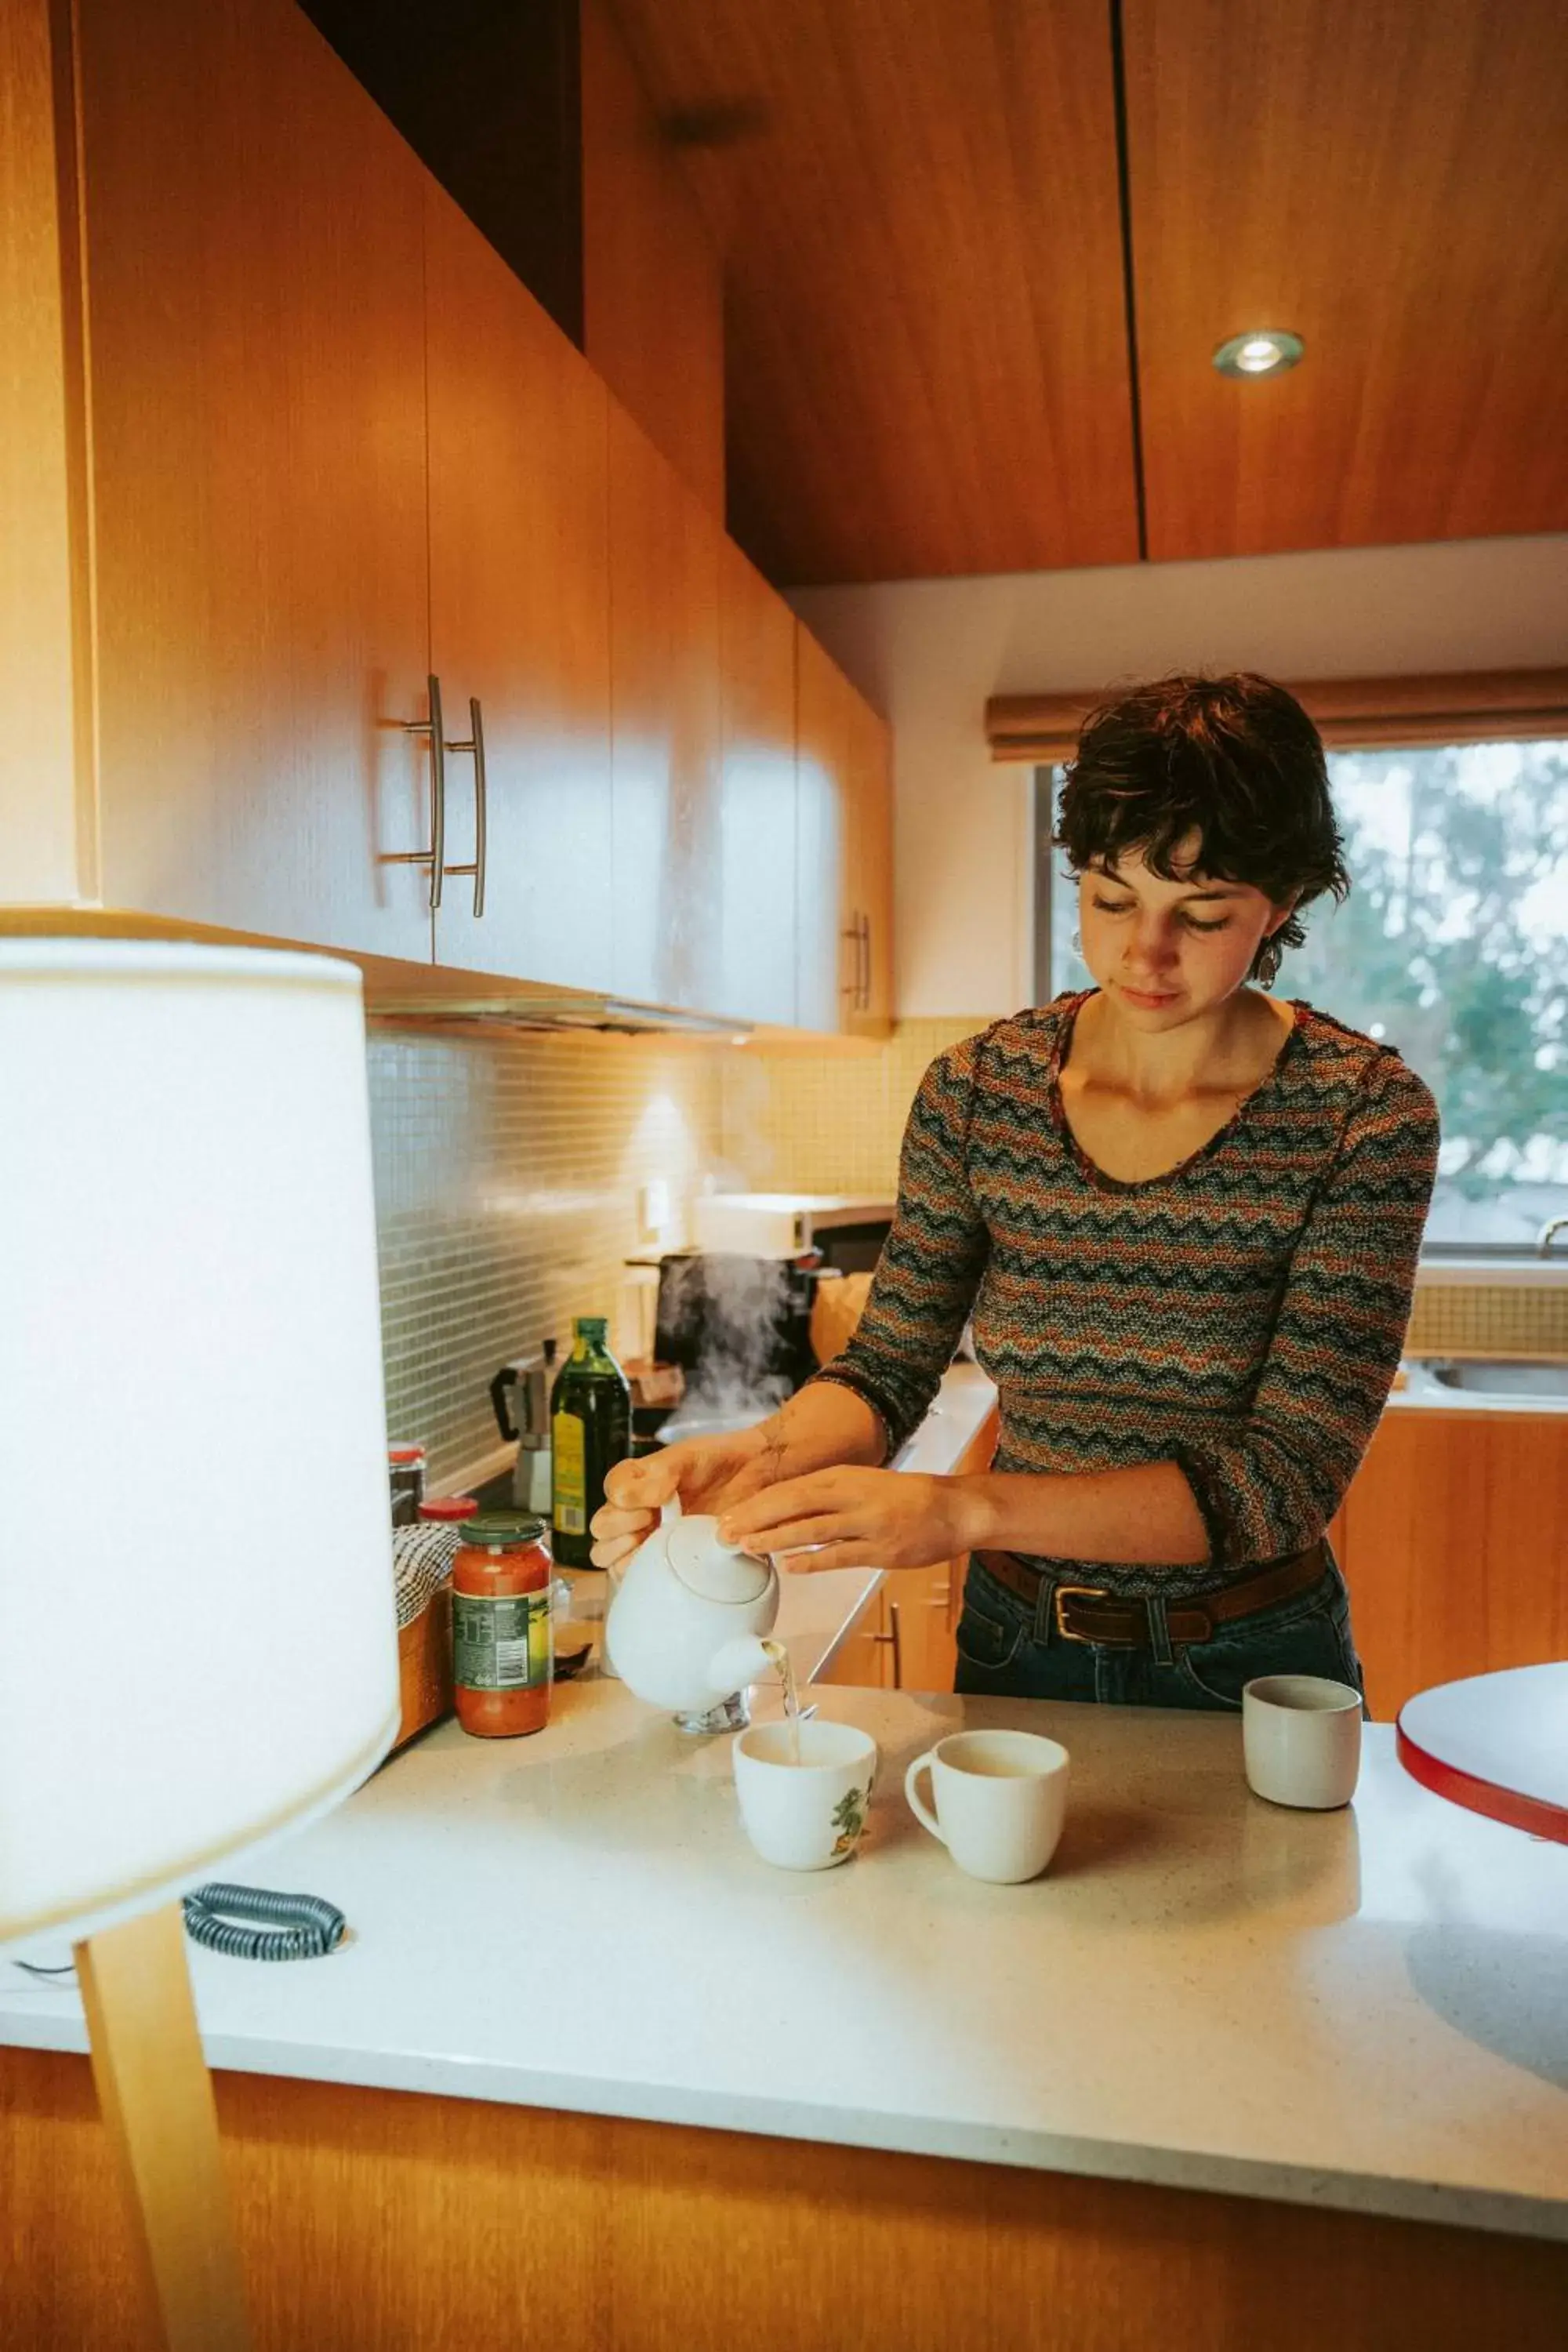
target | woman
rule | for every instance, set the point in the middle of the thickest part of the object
(1184, 1219)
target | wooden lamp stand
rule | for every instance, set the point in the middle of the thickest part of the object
(156, 2098)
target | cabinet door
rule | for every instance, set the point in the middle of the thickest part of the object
(1452, 1545)
(828, 943)
(864, 1659)
(518, 617)
(756, 664)
(254, 237)
(668, 943)
(871, 892)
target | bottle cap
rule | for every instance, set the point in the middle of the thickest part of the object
(405, 1454)
(590, 1327)
(503, 1530)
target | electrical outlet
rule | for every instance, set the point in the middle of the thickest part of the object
(653, 1208)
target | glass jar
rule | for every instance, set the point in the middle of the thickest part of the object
(502, 1652)
(405, 1470)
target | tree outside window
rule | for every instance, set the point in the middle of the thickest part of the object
(1453, 945)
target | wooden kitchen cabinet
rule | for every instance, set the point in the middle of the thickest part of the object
(519, 617)
(666, 740)
(844, 855)
(303, 441)
(863, 1659)
(870, 875)
(1454, 1542)
(252, 233)
(644, 2236)
(829, 941)
(756, 669)
(904, 1637)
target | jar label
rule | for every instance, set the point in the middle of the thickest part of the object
(568, 1437)
(501, 1644)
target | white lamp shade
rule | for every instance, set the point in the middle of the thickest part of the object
(198, 1638)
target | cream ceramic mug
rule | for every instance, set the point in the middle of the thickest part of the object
(1300, 1737)
(1000, 1795)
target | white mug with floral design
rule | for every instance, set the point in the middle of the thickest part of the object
(805, 1809)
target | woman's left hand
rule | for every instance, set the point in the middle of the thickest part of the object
(855, 1518)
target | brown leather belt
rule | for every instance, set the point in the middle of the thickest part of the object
(1084, 1612)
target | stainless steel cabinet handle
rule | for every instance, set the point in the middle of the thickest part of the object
(435, 857)
(894, 1640)
(476, 744)
(851, 987)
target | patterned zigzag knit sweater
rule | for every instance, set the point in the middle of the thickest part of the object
(1241, 1315)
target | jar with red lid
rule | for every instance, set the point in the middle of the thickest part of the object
(443, 1510)
(503, 1661)
(405, 1469)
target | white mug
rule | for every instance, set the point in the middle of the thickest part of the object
(807, 1815)
(1000, 1800)
(1301, 1738)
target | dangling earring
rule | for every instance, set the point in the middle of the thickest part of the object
(1077, 942)
(1270, 956)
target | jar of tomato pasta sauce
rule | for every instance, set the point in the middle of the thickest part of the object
(501, 1651)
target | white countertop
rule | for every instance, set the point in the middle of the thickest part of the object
(1366, 2009)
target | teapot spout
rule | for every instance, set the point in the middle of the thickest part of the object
(737, 1663)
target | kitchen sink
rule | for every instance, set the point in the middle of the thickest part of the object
(1512, 1379)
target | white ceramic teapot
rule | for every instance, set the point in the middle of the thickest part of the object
(685, 1631)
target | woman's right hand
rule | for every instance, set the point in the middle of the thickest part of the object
(706, 1473)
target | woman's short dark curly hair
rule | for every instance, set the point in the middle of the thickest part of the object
(1234, 761)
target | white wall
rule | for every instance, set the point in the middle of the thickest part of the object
(929, 652)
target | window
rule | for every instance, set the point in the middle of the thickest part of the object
(1453, 945)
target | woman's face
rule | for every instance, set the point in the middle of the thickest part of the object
(1165, 952)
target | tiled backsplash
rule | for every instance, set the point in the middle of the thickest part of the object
(508, 1169)
(828, 1123)
(507, 1172)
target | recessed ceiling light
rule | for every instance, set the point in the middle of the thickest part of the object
(1266, 351)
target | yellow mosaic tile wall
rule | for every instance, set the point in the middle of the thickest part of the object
(828, 1123)
(507, 1173)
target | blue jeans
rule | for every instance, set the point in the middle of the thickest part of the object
(1009, 1648)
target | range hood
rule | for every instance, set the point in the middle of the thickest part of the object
(551, 1009)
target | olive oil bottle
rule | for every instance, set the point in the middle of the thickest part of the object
(590, 1431)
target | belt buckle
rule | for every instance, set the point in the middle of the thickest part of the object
(1061, 1593)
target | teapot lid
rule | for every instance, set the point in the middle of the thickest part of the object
(711, 1569)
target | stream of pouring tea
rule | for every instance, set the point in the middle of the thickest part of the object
(780, 1658)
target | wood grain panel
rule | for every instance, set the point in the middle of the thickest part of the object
(826, 841)
(927, 360)
(756, 664)
(869, 749)
(653, 299)
(520, 615)
(864, 1658)
(929, 1602)
(255, 267)
(372, 2221)
(1391, 183)
(45, 761)
(1453, 1544)
(665, 728)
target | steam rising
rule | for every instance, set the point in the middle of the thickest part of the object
(726, 1316)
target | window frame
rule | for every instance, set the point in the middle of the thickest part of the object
(1366, 715)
